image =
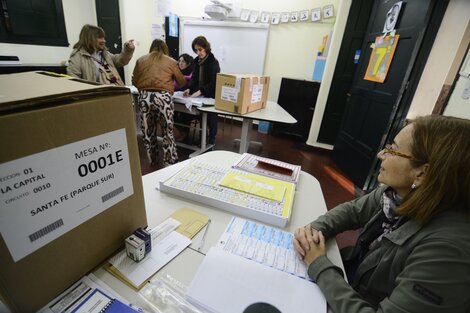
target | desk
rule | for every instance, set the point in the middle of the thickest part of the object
(181, 107)
(308, 205)
(272, 113)
(178, 107)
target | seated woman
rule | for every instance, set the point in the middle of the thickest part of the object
(413, 252)
(186, 66)
(91, 60)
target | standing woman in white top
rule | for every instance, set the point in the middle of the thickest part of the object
(91, 60)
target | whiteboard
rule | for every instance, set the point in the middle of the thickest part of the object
(240, 47)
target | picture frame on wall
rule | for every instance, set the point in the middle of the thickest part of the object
(303, 15)
(264, 17)
(328, 11)
(285, 17)
(275, 18)
(316, 15)
(254, 16)
(245, 15)
(294, 17)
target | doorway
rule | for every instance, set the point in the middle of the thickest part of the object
(374, 111)
(345, 68)
(108, 18)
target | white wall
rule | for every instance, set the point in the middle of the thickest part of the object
(441, 58)
(459, 102)
(77, 13)
(337, 37)
(136, 19)
(292, 47)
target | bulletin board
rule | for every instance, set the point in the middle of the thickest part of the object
(239, 47)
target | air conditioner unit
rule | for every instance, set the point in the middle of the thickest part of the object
(216, 12)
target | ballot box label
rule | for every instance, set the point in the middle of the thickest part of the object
(229, 94)
(45, 195)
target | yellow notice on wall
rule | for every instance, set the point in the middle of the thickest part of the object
(261, 186)
(380, 58)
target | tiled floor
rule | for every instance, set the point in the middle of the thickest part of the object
(336, 187)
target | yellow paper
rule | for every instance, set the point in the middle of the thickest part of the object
(261, 186)
(191, 221)
(110, 268)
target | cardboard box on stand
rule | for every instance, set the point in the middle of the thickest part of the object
(241, 93)
(70, 183)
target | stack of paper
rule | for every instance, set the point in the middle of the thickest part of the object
(99, 302)
(201, 101)
(191, 101)
(136, 274)
(268, 167)
(198, 181)
(227, 283)
(261, 186)
(87, 293)
(168, 240)
(264, 244)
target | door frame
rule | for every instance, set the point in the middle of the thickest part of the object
(99, 21)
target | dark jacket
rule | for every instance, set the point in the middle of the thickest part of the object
(416, 268)
(210, 68)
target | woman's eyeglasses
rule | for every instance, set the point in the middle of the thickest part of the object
(389, 150)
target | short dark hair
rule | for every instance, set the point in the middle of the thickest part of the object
(202, 42)
(187, 58)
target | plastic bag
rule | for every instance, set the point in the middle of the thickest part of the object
(166, 295)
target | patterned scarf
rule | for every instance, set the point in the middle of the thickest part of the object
(391, 220)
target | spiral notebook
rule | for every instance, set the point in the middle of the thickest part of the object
(99, 302)
(116, 306)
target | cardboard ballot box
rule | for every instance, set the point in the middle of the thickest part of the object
(70, 183)
(241, 93)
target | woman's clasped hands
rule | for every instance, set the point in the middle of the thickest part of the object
(309, 244)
